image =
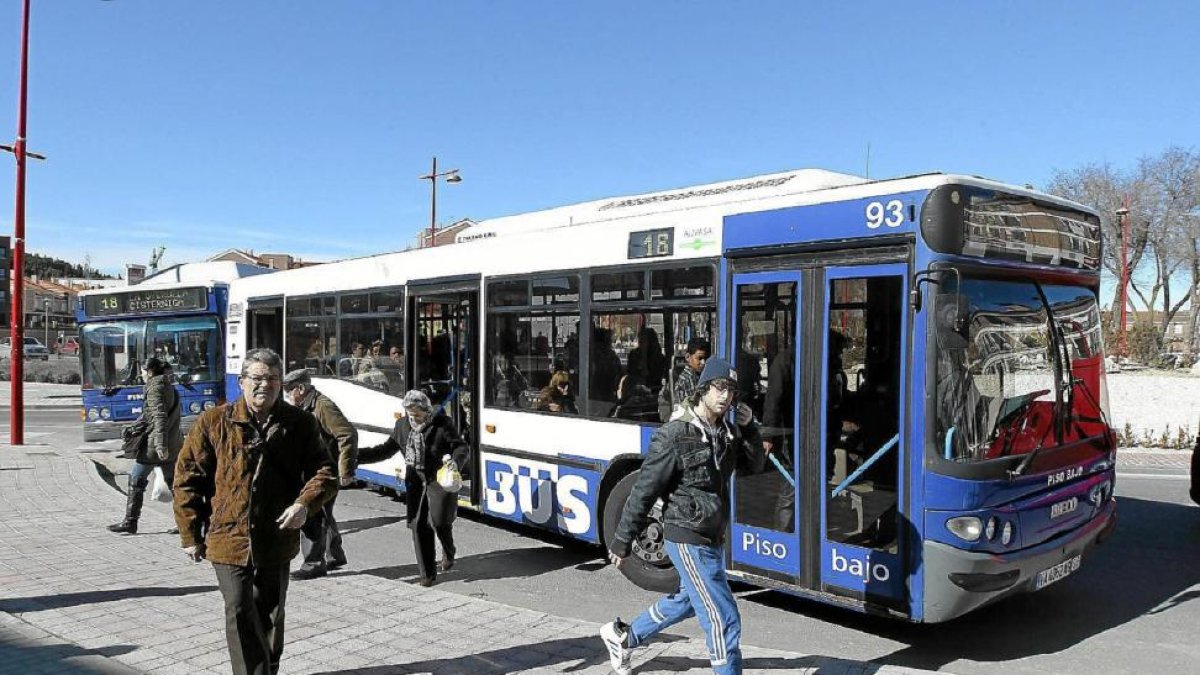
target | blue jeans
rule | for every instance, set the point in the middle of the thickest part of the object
(139, 474)
(703, 593)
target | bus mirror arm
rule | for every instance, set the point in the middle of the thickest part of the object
(914, 295)
(926, 276)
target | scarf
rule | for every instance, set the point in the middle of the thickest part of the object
(414, 449)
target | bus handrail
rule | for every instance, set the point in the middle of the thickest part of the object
(865, 465)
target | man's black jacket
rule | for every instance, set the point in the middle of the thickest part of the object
(682, 470)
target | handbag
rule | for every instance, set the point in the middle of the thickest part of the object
(448, 477)
(134, 443)
(159, 490)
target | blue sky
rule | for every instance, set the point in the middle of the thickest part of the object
(302, 125)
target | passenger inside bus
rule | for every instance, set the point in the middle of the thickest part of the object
(647, 365)
(635, 401)
(556, 397)
(605, 373)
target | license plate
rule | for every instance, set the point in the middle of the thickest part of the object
(1057, 573)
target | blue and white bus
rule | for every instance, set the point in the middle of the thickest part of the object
(177, 314)
(924, 354)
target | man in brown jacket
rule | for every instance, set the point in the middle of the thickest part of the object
(250, 474)
(341, 441)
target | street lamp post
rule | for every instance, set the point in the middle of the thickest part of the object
(451, 176)
(1123, 214)
(46, 324)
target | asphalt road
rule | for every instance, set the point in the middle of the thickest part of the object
(1129, 609)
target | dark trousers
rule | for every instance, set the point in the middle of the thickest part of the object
(322, 534)
(431, 510)
(254, 599)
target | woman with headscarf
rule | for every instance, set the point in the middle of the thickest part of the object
(425, 436)
(160, 422)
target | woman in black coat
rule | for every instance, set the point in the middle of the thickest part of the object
(425, 438)
(160, 420)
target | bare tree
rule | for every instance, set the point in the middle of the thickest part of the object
(1164, 228)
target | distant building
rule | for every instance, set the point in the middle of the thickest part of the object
(445, 234)
(275, 261)
(134, 273)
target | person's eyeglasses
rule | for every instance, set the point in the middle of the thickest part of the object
(725, 386)
(260, 379)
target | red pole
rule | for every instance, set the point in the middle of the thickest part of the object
(17, 407)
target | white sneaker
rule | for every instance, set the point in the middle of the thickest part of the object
(614, 635)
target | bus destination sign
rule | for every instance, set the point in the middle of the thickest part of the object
(146, 301)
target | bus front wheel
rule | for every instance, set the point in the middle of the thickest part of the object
(647, 565)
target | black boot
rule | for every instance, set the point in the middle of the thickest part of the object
(133, 508)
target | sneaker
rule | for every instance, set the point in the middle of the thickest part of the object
(306, 572)
(616, 637)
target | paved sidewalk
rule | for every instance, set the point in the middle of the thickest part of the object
(44, 395)
(1150, 458)
(75, 598)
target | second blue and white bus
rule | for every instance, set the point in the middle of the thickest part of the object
(924, 354)
(177, 314)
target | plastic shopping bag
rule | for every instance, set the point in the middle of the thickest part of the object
(448, 476)
(158, 487)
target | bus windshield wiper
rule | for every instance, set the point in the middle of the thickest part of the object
(1062, 366)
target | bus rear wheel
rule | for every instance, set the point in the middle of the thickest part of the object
(647, 566)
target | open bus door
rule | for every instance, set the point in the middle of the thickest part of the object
(443, 325)
(265, 324)
(820, 355)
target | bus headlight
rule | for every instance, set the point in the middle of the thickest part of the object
(194, 407)
(967, 528)
(209, 405)
(1006, 534)
(105, 414)
(93, 414)
(990, 530)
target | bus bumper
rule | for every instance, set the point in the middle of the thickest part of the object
(958, 581)
(106, 431)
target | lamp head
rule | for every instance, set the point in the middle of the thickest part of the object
(454, 177)
(1122, 212)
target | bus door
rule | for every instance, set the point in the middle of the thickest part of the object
(765, 328)
(264, 323)
(862, 332)
(443, 325)
(819, 352)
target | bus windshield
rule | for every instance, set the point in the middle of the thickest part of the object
(113, 352)
(1020, 369)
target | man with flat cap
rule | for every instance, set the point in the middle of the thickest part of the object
(341, 441)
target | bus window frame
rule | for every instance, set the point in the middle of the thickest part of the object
(587, 309)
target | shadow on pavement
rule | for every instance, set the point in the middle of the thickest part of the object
(346, 527)
(1134, 573)
(510, 564)
(43, 602)
(63, 659)
(569, 655)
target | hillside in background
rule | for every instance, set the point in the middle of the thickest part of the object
(46, 267)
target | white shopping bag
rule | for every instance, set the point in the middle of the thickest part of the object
(448, 476)
(158, 487)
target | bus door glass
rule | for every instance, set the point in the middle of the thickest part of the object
(764, 538)
(265, 323)
(444, 330)
(863, 495)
